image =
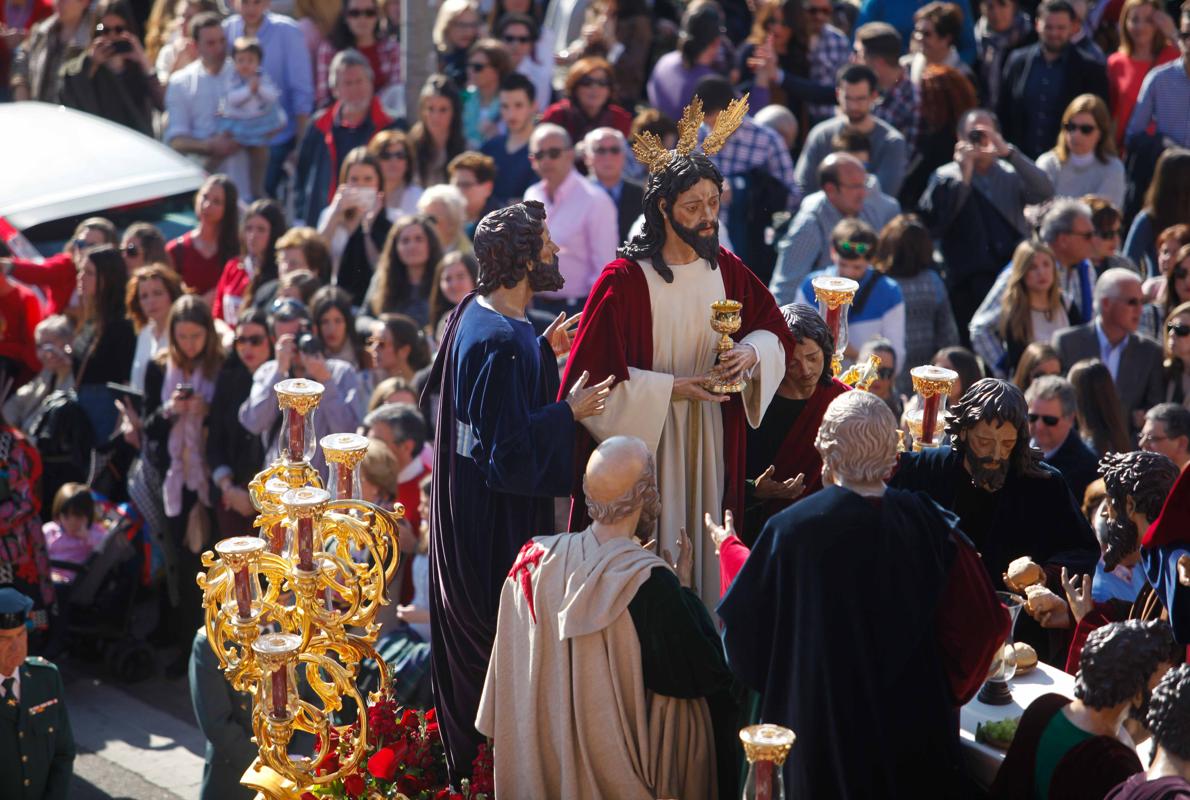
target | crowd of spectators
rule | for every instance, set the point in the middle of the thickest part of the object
(1009, 184)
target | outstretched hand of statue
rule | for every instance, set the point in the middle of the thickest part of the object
(719, 533)
(1078, 594)
(768, 489)
(588, 401)
(558, 333)
(1184, 570)
(684, 564)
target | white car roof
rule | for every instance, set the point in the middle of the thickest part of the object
(61, 163)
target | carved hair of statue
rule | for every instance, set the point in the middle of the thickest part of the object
(679, 175)
(1119, 658)
(806, 323)
(643, 494)
(857, 439)
(1169, 712)
(996, 400)
(506, 242)
(1146, 478)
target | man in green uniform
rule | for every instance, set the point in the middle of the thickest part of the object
(36, 745)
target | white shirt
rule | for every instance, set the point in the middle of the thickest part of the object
(1109, 355)
(16, 683)
(583, 222)
(191, 107)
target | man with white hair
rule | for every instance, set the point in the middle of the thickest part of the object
(1133, 360)
(603, 651)
(583, 219)
(605, 152)
(897, 647)
(351, 121)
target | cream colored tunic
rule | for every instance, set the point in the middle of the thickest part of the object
(686, 436)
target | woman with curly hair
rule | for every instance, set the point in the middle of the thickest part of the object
(946, 95)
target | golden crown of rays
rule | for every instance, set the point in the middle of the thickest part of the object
(652, 153)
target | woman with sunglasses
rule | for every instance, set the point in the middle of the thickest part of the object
(398, 166)
(1173, 291)
(488, 62)
(1031, 310)
(358, 27)
(1177, 355)
(233, 453)
(456, 27)
(587, 103)
(143, 244)
(113, 78)
(521, 34)
(151, 291)
(1084, 159)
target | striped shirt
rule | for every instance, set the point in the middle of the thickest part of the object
(1163, 99)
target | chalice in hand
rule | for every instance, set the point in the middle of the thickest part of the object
(725, 320)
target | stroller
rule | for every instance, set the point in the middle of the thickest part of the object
(99, 601)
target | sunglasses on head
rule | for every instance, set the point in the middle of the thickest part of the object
(1178, 330)
(548, 153)
(508, 39)
(252, 340)
(602, 83)
(853, 249)
(1085, 130)
(1046, 418)
(356, 13)
(390, 155)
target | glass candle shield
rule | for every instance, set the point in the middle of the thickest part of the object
(278, 655)
(304, 507)
(241, 554)
(343, 453)
(933, 385)
(766, 748)
(834, 297)
(298, 398)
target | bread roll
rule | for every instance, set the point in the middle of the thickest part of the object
(1040, 600)
(1026, 656)
(1023, 572)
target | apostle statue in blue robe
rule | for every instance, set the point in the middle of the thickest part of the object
(864, 619)
(503, 450)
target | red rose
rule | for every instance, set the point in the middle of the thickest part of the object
(354, 785)
(383, 765)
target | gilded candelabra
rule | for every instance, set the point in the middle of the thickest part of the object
(298, 601)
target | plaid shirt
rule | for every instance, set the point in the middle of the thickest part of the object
(832, 51)
(900, 107)
(754, 146)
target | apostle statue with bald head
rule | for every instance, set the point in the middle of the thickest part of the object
(607, 677)
(864, 619)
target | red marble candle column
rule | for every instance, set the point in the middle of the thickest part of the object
(297, 435)
(243, 592)
(345, 486)
(305, 544)
(929, 419)
(280, 692)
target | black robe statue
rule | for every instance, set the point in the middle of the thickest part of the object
(503, 450)
(841, 619)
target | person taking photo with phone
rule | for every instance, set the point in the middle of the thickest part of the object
(113, 78)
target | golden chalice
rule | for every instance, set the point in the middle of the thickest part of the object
(725, 320)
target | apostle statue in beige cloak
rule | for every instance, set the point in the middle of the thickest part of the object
(647, 322)
(607, 678)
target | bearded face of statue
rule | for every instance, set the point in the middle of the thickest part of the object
(988, 453)
(545, 275)
(694, 218)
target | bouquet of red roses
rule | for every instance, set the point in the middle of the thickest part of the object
(405, 759)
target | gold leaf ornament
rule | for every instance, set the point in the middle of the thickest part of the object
(649, 151)
(688, 127)
(652, 154)
(725, 125)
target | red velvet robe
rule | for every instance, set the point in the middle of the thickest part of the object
(616, 332)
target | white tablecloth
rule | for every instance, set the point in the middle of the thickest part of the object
(984, 761)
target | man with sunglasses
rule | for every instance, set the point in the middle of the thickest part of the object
(605, 152)
(583, 219)
(1052, 406)
(1133, 360)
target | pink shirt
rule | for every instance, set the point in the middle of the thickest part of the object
(583, 222)
(63, 547)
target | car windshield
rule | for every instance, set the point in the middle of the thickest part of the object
(173, 216)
